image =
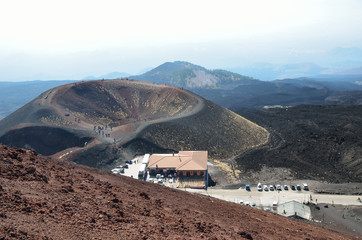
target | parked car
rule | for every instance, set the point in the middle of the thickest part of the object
(285, 187)
(247, 187)
(305, 187)
(125, 166)
(266, 188)
(159, 176)
(279, 188)
(271, 187)
(298, 187)
(118, 170)
(247, 204)
(242, 202)
(253, 204)
(141, 175)
(292, 186)
(129, 161)
(260, 187)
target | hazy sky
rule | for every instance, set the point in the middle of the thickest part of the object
(71, 39)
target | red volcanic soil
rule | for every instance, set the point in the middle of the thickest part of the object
(45, 199)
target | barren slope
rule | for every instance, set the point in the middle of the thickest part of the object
(42, 198)
(226, 134)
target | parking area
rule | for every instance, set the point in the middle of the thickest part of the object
(131, 170)
(267, 199)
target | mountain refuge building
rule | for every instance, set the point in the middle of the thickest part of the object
(189, 168)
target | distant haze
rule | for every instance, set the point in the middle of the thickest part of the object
(45, 40)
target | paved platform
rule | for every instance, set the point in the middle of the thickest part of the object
(134, 168)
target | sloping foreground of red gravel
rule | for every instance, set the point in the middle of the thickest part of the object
(45, 199)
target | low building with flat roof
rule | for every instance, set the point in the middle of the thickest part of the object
(294, 209)
(189, 167)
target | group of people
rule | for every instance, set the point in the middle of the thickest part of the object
(100, 130)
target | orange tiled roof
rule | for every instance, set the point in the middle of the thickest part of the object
(184, 160)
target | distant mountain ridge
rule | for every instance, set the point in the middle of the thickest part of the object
(191, 76)
(112, 75)
(231, 90)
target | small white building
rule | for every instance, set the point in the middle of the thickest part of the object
(294, 209)
(146, 159)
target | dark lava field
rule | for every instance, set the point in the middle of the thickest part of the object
(315, 142)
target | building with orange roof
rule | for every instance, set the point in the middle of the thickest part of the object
(187, 166)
